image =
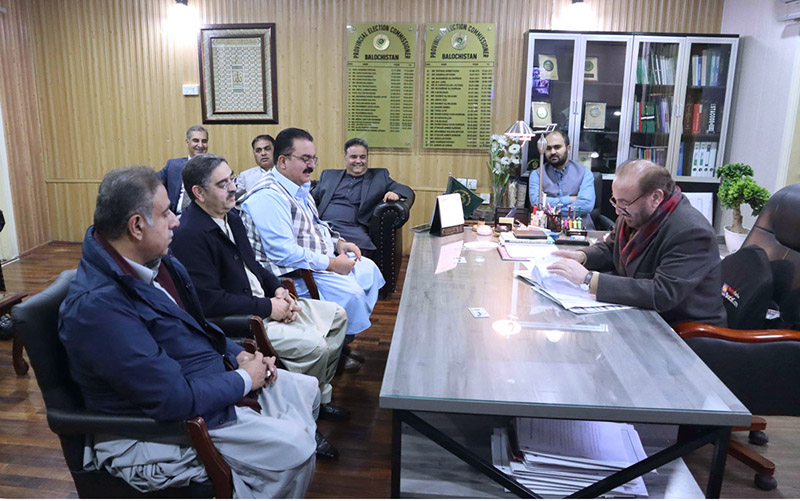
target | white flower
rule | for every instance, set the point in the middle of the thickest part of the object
(514, 149)
(502, 140)
(505, 161)
(515, 159)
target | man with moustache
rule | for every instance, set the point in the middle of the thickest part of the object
(346, 198)
(196, 144)
(566, 183)
(662, 255)
(138, 344)
(287, 234)
(212, 244)
(263, 146)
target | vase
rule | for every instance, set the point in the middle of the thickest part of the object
(498, 195)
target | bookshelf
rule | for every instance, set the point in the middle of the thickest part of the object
(662, 97)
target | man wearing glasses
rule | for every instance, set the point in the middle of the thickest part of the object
(663, 254)
(287, 234)
(212, 244)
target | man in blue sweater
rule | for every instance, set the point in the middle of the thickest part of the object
(567, 184)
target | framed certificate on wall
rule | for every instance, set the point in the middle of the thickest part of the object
(238, 81)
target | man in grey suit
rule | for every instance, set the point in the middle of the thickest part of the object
(346, 197)
(663, 254)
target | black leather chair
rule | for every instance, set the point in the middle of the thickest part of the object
(37, 320)
(601, 222)
(385, 230)
(761, 367)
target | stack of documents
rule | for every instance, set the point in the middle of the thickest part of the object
(563, 292)
(522, 249)
(555, 457)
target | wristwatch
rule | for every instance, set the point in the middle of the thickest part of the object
(586, 281)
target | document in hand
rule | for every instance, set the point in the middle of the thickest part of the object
(563, 292)
(558, 457)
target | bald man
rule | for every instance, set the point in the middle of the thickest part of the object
(663, 254)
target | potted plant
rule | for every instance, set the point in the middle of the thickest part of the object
(738, 187)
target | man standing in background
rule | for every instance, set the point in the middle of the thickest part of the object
(196, 144)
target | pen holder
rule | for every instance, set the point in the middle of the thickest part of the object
(554, 222)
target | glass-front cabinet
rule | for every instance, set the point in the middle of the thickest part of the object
(602, 99)
(665, 98)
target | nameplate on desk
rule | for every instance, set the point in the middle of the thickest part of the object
(448, 215)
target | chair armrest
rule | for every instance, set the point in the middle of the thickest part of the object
(688, 330)
(288, 284)
(218, 470)
(311, 284)
(85, 422)
(234, 326)
(190, 432)
(401, 207)
(262, 340)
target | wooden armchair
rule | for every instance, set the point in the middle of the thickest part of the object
(37, 321)
(761, 366)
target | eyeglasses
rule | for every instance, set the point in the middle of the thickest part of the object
(225, 182)
(306, 159)
(624, 209)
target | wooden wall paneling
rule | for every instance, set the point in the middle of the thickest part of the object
(24, 143)
(110, 75)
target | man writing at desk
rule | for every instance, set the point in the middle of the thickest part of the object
(662, 256)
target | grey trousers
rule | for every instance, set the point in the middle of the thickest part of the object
(271, 453)
(311, 344)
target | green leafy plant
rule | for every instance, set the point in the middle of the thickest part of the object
(738, 187)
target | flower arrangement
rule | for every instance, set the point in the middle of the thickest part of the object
(504, 158)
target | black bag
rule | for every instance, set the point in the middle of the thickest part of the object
(747, 288)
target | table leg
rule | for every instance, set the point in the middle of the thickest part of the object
(20, 365)
(397, 442)
(718, 463)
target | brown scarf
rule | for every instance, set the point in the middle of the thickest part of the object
(634, 242)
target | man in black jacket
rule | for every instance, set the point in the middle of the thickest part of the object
(212, 244)
(347, 197)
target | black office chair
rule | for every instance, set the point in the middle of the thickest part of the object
(385, 227)
(37, 320)
(761, 366)
(384, 230)
(601, 222)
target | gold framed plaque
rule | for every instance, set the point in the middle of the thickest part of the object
(238, 80)
(540, 111)
(590, 69)
(548, 67)
(594, 116)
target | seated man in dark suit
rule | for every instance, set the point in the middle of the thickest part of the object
(346, 198)
(212, 244)
(138, 343)
(663, 254)
(196, 144)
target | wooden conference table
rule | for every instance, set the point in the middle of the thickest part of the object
(532, 358)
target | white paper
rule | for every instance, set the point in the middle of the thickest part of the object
(563, 292)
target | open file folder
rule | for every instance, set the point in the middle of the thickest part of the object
(563, 292)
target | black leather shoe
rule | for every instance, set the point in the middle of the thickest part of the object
(357, 355)
(333, 412)
(351, 365)
(324, 448)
